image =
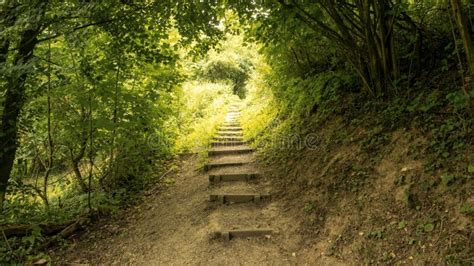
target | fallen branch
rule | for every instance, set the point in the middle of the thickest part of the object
(6, 241)
(66, 232)
(25, 229)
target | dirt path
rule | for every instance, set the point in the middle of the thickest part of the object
(177, 225)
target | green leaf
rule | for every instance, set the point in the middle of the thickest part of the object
(470, 168)
(402, 224)
(428, 227)
(447, 179)
(467, 209)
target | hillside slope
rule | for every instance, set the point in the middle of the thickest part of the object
(364, 193)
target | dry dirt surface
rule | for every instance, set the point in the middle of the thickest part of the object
(176, 225)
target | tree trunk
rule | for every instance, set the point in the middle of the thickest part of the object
(26, 229)
(12, 106)
(75, 160)
(385, 41)
(462, 22)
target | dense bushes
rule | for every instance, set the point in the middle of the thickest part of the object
(92, 105)
(226, 69)
(312, 72)
(230, 64)
(311, 92)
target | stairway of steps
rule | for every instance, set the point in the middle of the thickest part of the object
(234, 180)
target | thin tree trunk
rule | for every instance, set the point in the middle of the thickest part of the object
(50, 137)
(75, 160)
(91, 154)
(462, 22)
(113, 164)
(79, 178)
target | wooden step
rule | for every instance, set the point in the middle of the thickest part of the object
(227, 143)
(227, 235)
(232, 177)
(229, 134)
(231, 129)
(230, 151)
(238, 198)
(210, 166)
(228, 138)
(231, 125)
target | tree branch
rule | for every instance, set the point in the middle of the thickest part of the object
(75, 29)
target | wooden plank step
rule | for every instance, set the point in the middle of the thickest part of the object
(232, 129)
(238, 198)
(229, 133)
(228, 138)
(227, 143)
(227, 235)
(232, 177)
(230, 151)
(231, 125)
(210, 166)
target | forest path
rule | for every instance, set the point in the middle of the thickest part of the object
(177, 224)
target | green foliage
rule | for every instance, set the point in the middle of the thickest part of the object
(467, 209)
(275, 115)
(231, 63)
(108, 76)
(470, 169)
(201, 111)
(402, 225)
(425, 228)
(310, 207)
(447, 179)
(20, 249)
(375, 141)
(227, 70)
(379, 234)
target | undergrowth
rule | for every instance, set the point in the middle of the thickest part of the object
(295, 127)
